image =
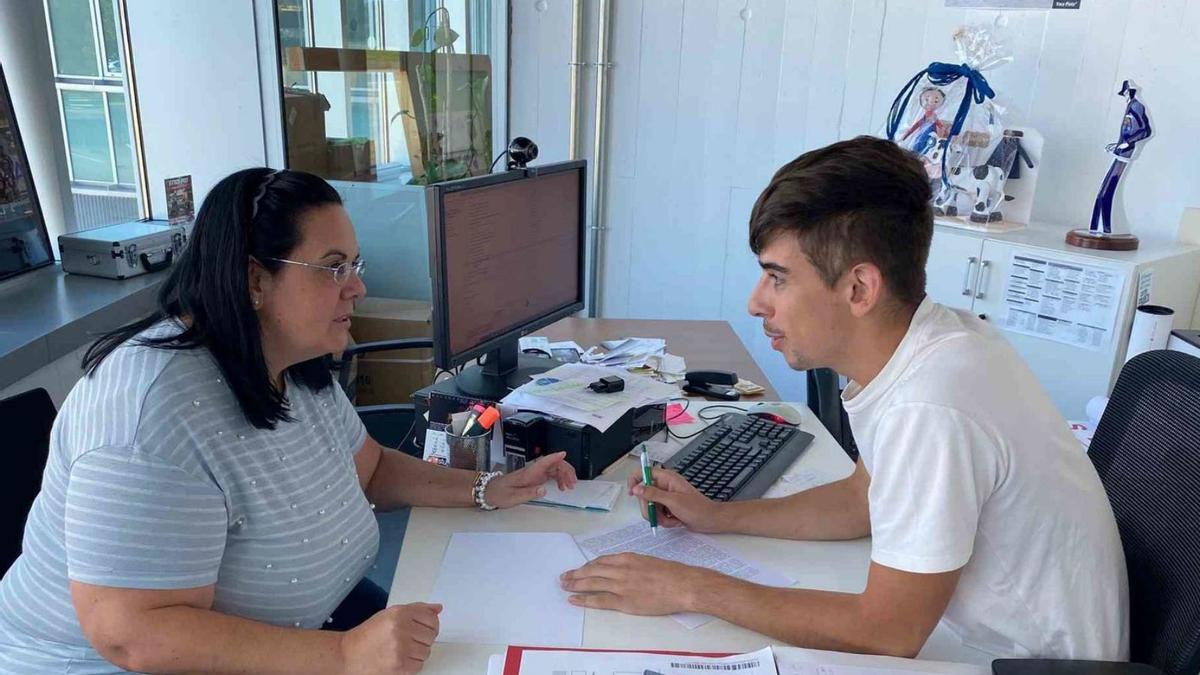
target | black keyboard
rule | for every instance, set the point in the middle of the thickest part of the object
(739, 457)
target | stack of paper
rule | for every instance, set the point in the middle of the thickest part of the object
(627, 353)
(567, 351)
(598, 495)
(670, 368)
(564, 392)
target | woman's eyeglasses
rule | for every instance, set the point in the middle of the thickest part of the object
(341, 271)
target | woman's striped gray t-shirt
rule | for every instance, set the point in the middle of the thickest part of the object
(155, 480)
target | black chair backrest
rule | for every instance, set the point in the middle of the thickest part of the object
(825, 400)
(391, 424)
(1147, 452)
(25, 421)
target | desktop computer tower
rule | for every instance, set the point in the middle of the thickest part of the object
(531, 434)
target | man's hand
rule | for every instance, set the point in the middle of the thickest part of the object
(634, 584)
(525, 484)
(677, 503)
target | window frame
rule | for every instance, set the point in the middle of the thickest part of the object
(386, 110)
(105, 84)
(103, 90)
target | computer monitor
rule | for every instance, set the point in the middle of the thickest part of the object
(507, 258)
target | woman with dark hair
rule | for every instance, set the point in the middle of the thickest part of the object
(209, 493)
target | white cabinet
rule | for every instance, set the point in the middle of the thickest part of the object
(953, 268)
(1074, 360)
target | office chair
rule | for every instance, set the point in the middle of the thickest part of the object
(26, 419)
(389, 423)
(1147, 452)
(825, 400)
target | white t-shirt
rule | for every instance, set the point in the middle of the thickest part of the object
(973, 467)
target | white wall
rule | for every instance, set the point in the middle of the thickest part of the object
(706, 104)
(196, 65)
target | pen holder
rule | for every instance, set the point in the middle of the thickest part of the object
(470, 452)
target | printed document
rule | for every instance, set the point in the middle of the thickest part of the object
(679, 545)
(538, 662)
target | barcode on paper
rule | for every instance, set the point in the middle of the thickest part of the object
(717, 667)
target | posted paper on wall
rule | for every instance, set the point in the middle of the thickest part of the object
(1067, 302)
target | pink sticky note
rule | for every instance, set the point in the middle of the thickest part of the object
(677, 415)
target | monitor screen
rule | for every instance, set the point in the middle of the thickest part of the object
(512, 255)
(23, 242)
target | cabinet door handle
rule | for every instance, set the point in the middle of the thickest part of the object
(967, 276)
(980, 281)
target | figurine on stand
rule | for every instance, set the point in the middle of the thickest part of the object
(1135, 127)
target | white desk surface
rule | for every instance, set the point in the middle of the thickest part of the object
(835, 566)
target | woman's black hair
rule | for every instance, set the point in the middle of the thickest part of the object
(252, 213)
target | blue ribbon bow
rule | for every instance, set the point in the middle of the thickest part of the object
(941, 75)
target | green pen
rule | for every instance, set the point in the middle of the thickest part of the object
(646, 480)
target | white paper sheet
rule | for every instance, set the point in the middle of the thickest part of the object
(437, 448)
(1064, 301)
(795, 480)
(574, 392)
(587, 494)
(533, 662)
(544, 344)
(681, 546)
(563, 392)
(670, 368)
(495, 664)
(795, 668)
(533, 342)
(502, 588)
(626, 353)
(656, 451)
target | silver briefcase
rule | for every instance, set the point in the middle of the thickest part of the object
(123, 250)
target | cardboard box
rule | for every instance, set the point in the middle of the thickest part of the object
(304, 114)
(393, 376)
(350, 159)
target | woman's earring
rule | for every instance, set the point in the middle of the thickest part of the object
(257, 302)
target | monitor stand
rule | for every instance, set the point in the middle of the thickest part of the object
(504, 370)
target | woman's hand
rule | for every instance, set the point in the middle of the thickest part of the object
(394, 640)
(525, 484)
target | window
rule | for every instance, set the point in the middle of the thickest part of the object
(90, 78)
(407, 96)
(381, 97)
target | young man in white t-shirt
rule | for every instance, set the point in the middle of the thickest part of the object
(983, 510)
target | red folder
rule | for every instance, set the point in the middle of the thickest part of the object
(512, 658)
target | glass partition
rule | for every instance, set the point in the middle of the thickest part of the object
(382, 97)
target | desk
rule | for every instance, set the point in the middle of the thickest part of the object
(837, 566)
(47, 314)
(706, 345)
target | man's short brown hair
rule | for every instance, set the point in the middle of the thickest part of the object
(861, 200)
